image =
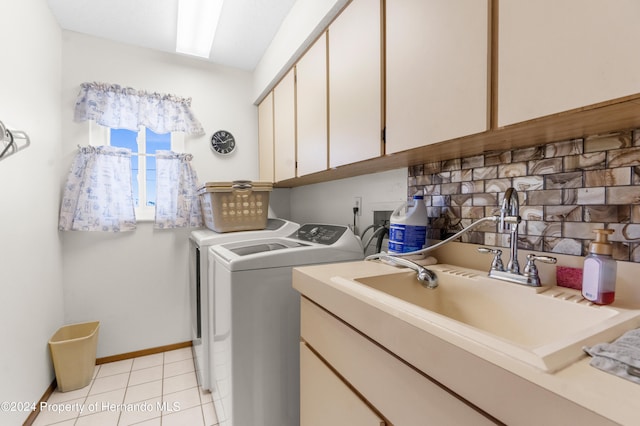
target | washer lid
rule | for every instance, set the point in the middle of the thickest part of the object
(275, 228)
(263, 247)
(320, 243)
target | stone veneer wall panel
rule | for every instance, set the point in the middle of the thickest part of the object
(567, 189)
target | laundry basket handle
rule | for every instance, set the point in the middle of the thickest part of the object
(241, 184)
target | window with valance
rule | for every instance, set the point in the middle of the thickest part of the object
(98, 195)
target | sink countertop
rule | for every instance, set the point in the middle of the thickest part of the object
(600, 392)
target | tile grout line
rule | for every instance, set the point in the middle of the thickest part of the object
(126, 389)
(129, 372)
(86, 397)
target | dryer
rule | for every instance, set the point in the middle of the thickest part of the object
(200, 240)
(256, 372)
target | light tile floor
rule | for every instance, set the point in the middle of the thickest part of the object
(153, 390)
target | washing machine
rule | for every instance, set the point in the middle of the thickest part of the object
(256, 371)
(200, 241)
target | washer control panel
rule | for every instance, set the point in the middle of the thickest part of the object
(321, 234)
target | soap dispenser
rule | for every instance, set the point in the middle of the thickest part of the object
(599, 273)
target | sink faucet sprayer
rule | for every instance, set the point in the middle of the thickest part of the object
(425, 277)
(508, 219)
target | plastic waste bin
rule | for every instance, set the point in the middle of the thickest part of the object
(73, 350)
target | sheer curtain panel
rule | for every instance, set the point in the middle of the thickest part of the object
(98, 195)
(177, 202)
(126, 108)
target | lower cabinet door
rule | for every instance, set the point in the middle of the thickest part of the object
(326, 400)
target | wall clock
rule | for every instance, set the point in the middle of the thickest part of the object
(223, 142)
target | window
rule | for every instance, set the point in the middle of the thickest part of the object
(143, 145)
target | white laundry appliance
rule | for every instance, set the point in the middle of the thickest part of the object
(256, 324)
(201, 315)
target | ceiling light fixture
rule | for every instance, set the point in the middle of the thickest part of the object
(197, 23)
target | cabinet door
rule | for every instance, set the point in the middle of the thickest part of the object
(265, 138)
(355, 84)
(311, 105)
(326, 400)
(284, 130)
(559, 55)
(396, 390)
(437, 71)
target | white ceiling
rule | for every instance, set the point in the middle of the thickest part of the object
(245, 30)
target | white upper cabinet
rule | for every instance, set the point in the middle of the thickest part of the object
(265, 138)
(437, 71)
(557, 55)
(311, 95)
(355, 83)
(284, 131)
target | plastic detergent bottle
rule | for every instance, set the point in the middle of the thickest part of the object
(408, 231)
(599, 273)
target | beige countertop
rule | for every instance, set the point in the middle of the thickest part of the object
(440, 354)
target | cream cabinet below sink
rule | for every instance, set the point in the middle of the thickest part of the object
(398, 392)
(413, 374)
(326, 400)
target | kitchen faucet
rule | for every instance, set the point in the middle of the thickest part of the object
(511, 207)
(508, 219)
(425, 276)
(509, 211)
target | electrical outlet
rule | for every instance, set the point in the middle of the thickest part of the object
(357, 202)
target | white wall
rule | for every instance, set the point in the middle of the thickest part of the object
(31, 306)
(332, 202)
(221, 98)
(136, 283)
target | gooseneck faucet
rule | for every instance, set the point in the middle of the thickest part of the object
(511, 208)
(425, 276)
(508, 221)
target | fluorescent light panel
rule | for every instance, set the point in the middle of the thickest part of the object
(197, 23)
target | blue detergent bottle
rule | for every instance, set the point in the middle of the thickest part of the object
(408, 227)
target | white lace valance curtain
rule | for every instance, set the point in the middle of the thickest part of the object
(98, 195)
(98, 192)
(177, 202)
(125, 108)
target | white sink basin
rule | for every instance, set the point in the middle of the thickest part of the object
(545, 327)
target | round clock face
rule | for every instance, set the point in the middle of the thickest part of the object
(223, 142)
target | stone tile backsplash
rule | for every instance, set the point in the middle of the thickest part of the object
(566, 189)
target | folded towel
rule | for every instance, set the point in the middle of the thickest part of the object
(621, 357)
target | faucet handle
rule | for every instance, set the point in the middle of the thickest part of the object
(497, 264)
(531, 270)
(545, 259)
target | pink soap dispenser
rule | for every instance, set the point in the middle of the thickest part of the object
(599, 273)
